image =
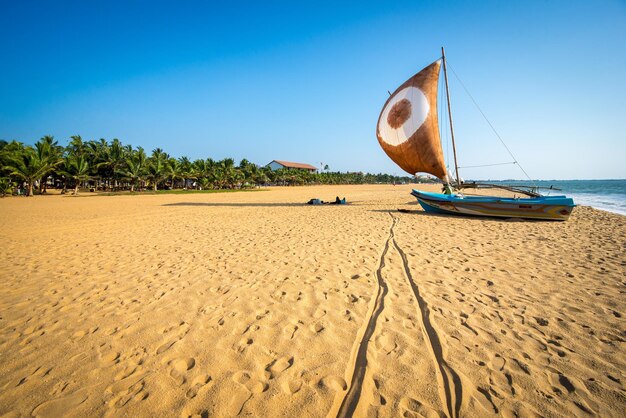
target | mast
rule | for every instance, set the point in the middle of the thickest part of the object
(445, 74)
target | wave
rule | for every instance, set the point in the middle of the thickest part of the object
(609, 203)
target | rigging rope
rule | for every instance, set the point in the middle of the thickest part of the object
(489, 165)
(490, 125)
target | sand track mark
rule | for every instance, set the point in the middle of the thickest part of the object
(450, 387)
(358, 359)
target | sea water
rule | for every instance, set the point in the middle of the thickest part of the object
(609, 195)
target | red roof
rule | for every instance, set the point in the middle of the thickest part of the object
(289, 164)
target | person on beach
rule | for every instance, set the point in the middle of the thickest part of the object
(337, 201)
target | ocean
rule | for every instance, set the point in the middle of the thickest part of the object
(609, 195)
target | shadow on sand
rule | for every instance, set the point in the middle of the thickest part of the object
(236, 205)
(462, 216)
(252, 205)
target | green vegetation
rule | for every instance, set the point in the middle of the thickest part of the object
(115, 167)
(176, 191)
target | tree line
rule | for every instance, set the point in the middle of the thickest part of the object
(100, 165)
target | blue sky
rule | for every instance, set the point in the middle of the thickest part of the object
(305, 81)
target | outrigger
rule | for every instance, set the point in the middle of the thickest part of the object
(408, 132)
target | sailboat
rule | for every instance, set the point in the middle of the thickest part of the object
(408, 132)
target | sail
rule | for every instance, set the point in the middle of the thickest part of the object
(407, 128)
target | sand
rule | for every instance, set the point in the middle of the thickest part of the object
(253, 304)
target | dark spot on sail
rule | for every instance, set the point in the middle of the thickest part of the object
(399, 114)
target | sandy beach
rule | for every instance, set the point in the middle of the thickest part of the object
(253, 304)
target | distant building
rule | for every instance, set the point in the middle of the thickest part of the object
(277, 165)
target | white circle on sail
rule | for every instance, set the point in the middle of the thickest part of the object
(418, 109)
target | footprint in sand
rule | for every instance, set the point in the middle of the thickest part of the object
(334, 382)
(502, 382)
(347, 315)
(253, 385)
(351, 298)
(484, 399)
(278, 366)
(262, 314)
(247, 387)
(58, 388)
(179, 368)
(59, 407)
(251, 328)
(130, 368)
(256, 386)
(290, 330)
(135, 391)
(166, 346)
(291, 386)
(78, 335)
(408, 323)
(37, 372)
(278, 295)
(415, 406)
(113, 357)
(241, 377)
(497, 362)
(237, 401)
(385, 344)
(243, 344)
(32, 329)
(78, 357)
(316, 327)
(319, 312)
(124, 389)
(196, 384)
(375, 398)
(181, 330)
(560, 381)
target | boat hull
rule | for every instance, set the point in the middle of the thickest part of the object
(556, 208)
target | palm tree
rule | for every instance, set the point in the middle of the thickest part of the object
(28, 166)
(281, 176)
(270, 174)
(237, 178)
(206, 172)
(199, 171)
(216, 178)
(76, 168)
(249, 171)
(227, 168)
(203, 183)
(212, 173)
(157, 165)
(99, 157)
(49, 153)
(260, 177)
(186, 169)
(7, 149)
(77, 146)
(6, 186)
(113, 160)
(173, 170)
(136, 167)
